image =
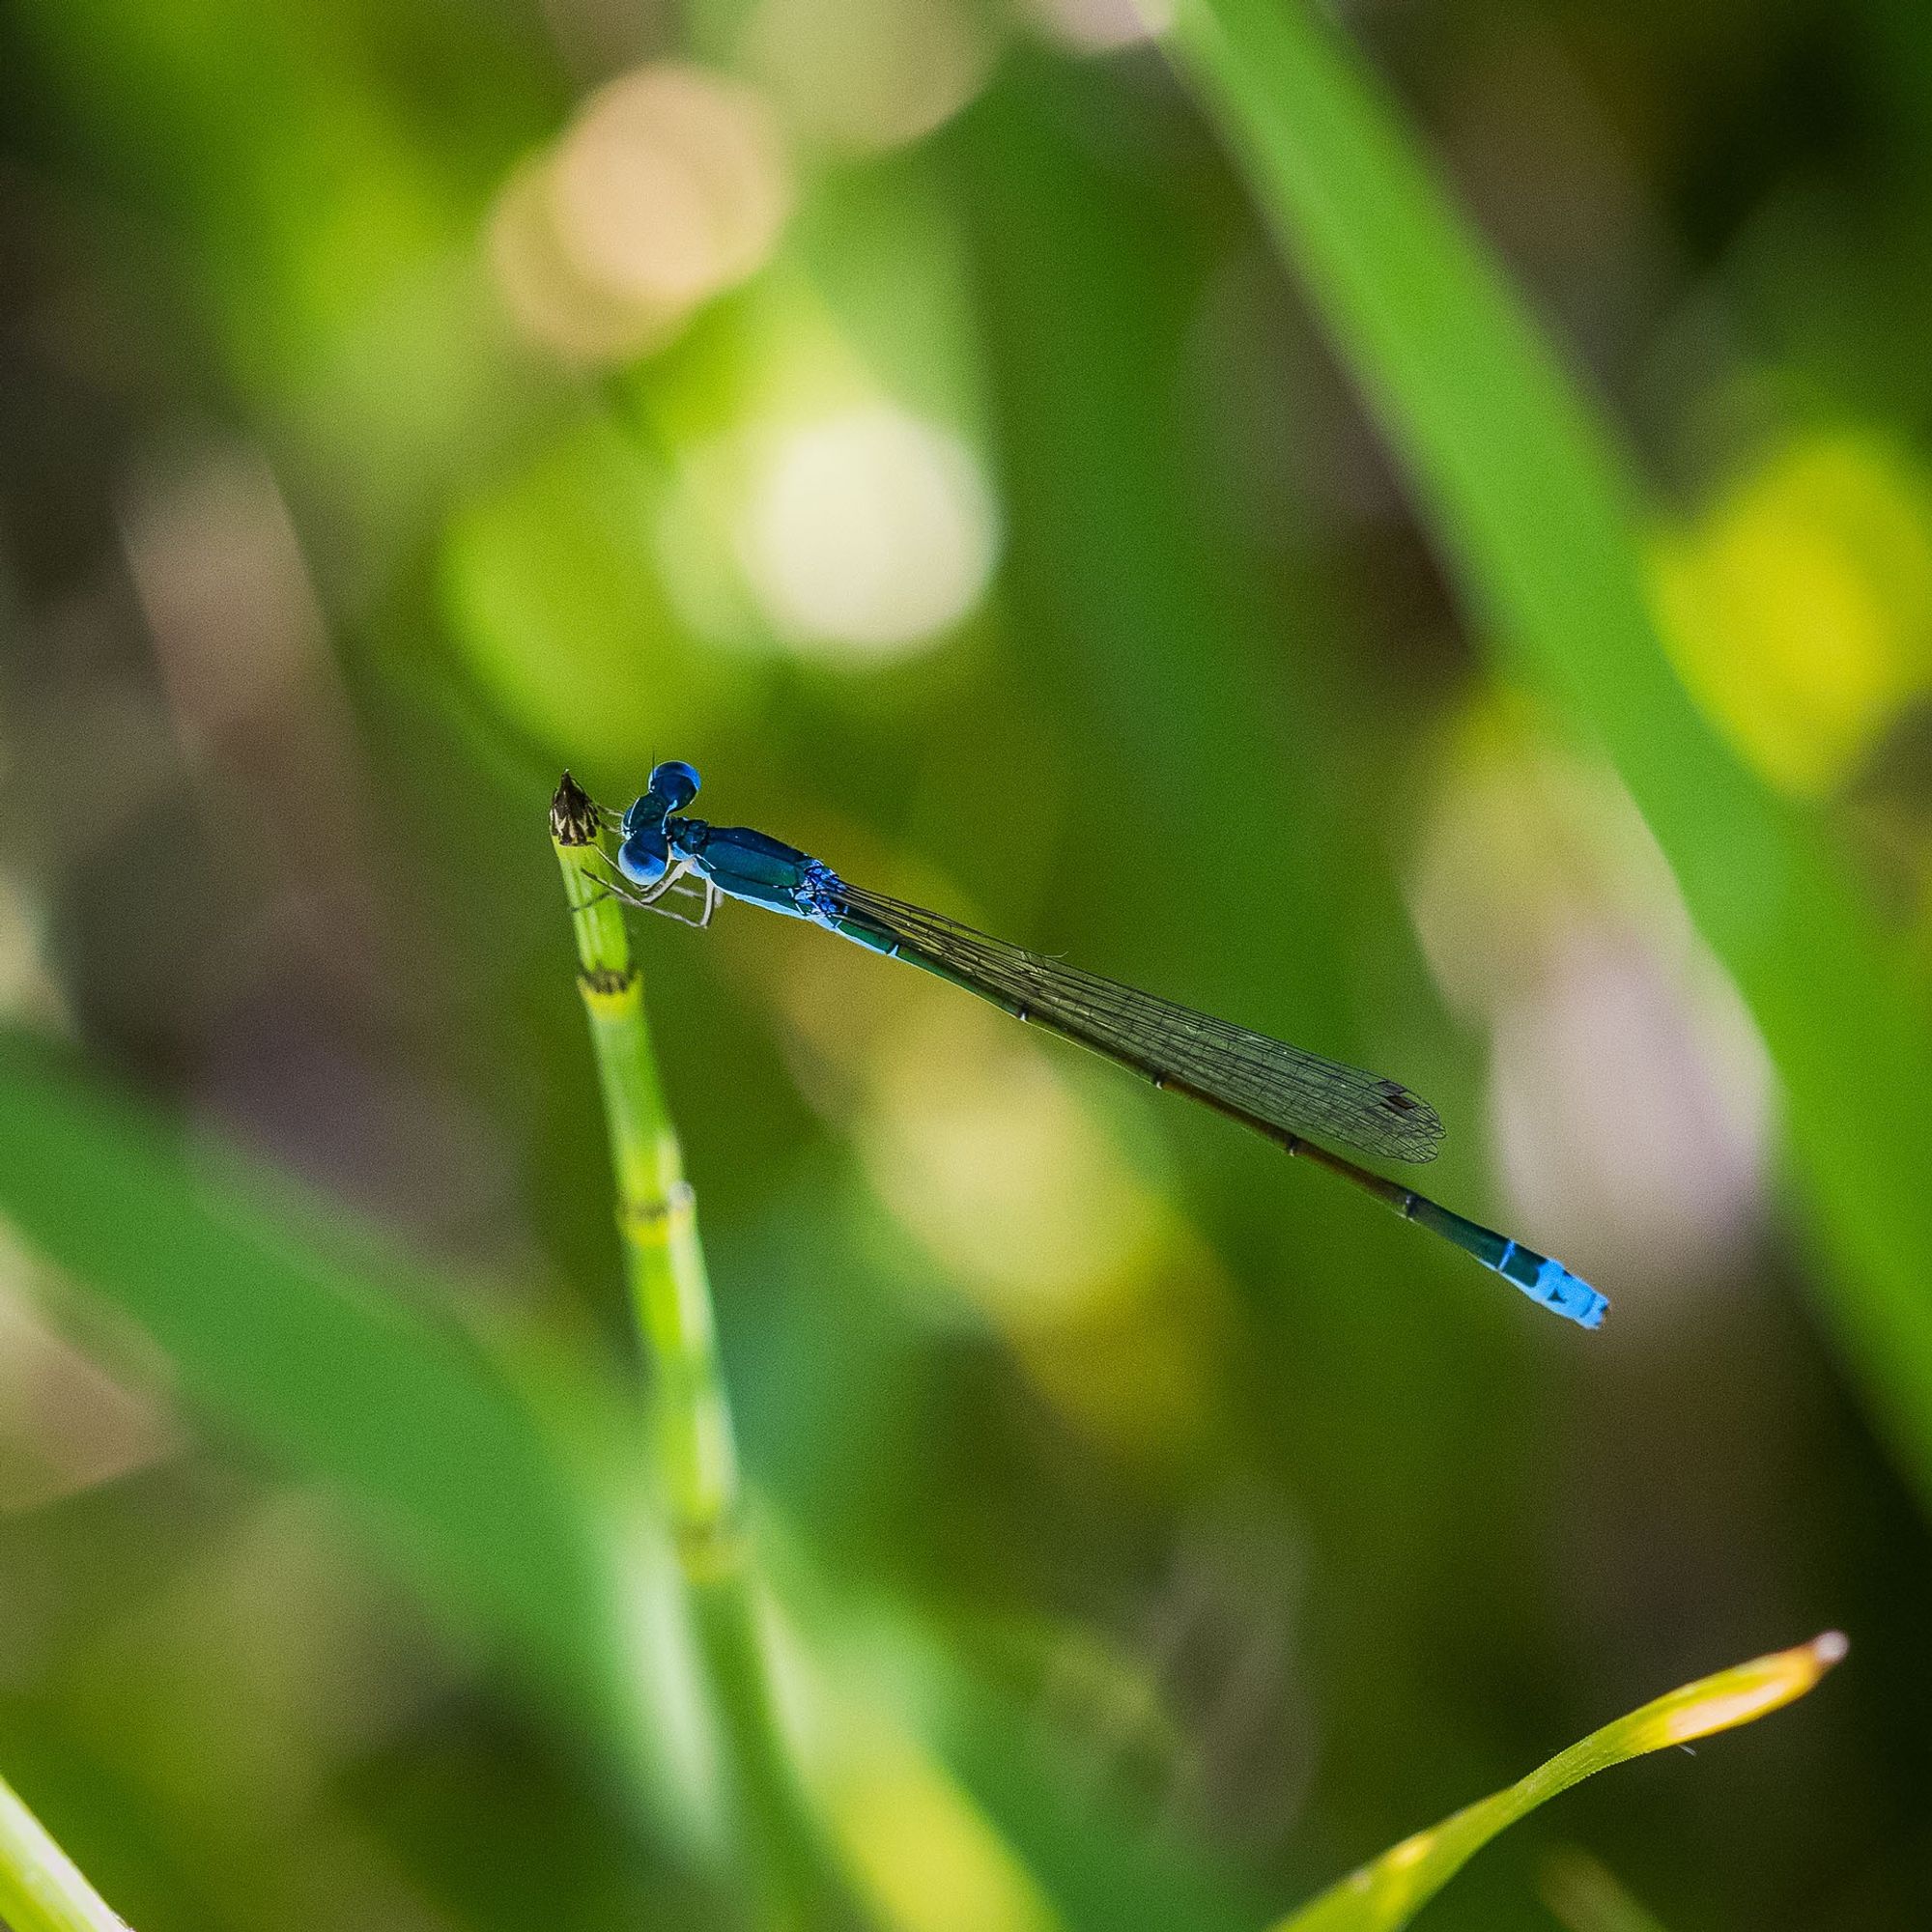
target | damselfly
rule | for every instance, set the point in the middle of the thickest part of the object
(667, 861)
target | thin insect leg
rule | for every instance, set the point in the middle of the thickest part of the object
(618, 889)
(606, 889)
(682, 917)
(621, 888)
(675, 878)
(674, 883)
(604, 885)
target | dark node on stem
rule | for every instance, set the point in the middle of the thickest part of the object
(573, 818)
(606, 981)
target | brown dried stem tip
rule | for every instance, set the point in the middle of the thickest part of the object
(573, 816)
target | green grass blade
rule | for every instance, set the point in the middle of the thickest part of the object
(696, 1456)
(1538, 519)
(320, 1361)
(1391, 1891)
(42, 1889)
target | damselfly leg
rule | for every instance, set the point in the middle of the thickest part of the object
(675, 884)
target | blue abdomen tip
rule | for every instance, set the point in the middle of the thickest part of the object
(1568, 1295)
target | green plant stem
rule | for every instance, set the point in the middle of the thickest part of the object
(42, 1889)
(692, 1441)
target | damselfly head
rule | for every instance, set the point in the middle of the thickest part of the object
(643, 858)
(675, 783)
(671, 788)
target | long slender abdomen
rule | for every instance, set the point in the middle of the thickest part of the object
(1544, 1280)
(1539, 1277)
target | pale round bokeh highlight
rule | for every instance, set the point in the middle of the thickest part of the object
(1102, 26)
(548, 301)
(867, 532)
(868, 75)
(1630, 1101)
(1630, 1105)
(670, 185)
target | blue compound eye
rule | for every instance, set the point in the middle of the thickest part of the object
(675, 783)
(641, 814)
(643, 858)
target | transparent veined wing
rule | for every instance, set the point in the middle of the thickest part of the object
(1276, 1088)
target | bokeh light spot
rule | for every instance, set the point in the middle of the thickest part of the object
(868, 75)
(1629, 1094)
(1102, 26)
(670, 187)
(866, 532)
(547, 299)
(1001, 1175)
(1800, 611)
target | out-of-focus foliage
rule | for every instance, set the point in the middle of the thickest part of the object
(326, 1362)
(1585, 1897)
(1537, 515)
(903, 411)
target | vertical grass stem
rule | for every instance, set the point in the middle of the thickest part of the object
(693, 1441)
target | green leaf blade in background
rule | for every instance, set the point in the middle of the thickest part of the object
(1388, 1894)
(1540, 521)
(319, 1362)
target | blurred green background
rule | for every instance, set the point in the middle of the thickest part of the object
(899, 409)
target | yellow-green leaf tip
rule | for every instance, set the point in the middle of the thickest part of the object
(1734, 1696)
(1387, 1893)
